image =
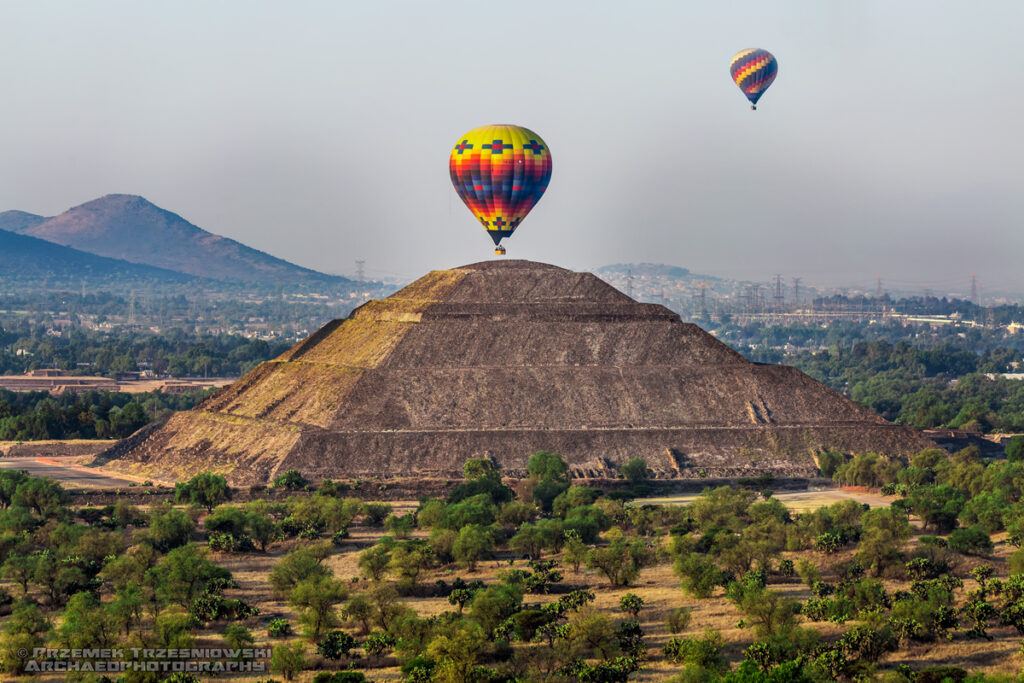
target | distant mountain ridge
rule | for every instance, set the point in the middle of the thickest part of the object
(26, 259)
(131, 228)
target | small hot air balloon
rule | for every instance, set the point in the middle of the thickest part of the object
(753, 70)
(500, 172)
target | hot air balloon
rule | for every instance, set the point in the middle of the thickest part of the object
(500, 172)
(753, 70)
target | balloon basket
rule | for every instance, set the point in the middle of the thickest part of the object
(499, 251)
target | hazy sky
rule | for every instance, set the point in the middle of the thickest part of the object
(890, 143)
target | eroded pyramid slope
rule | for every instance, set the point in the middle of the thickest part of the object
(501, 359)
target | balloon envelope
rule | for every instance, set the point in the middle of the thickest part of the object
(753, 71)
(500, 172)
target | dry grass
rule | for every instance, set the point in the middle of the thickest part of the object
(657, 585)
(797, 501)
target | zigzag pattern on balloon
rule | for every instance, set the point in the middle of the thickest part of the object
(500, 172)
(753, 71)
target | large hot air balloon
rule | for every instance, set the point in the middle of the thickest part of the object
(500, 172)
(753, 70)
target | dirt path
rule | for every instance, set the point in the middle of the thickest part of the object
(65, 471)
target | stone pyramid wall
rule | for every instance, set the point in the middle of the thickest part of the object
(501, 359)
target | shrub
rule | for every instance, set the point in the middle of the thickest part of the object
(205, 490)
(279, 628)
(705, 651)
(678, 619)
(970, 541)
(635, 470)
(374, 514)
(291, 480)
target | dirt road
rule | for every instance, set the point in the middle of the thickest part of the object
(66, 472)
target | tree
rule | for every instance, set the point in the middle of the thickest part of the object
(291, 480)
(575, 550)
(206, 490)
(457, 653)
(299, 565)
(288, 659)
(1015, 449)
(316, 597)
(495, 604)
(474, 542)
(374, 562)
(593, 631)
(169, 528)
(335, 645)
(20, 569)
(884, 531)
(769, 612)
(635, 470)
(377, 642)
(24, 630)
(185, 573)
(360, 609)
(238, 637)
(631, 603)
(262, 529)
(547, 465)
(44, 497)
(620, 561)
(9, 481)
(87, 624)
(410, 558)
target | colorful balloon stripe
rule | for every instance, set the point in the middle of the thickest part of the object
(500, 172)
(753, 71)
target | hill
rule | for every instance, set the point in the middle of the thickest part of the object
(501, 359)
(25, 259)
(133, 229)
(19, 221)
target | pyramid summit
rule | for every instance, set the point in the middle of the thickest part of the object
(501, 359)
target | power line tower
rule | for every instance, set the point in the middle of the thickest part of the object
(796, 291)
(878, 286)
(360, 264)
(777, 295)
(703, 286)
(974, 289)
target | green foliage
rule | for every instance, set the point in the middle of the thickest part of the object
(495, 604)
(473, 543)
(678, 619)
(635, 470)
(279, 628)
(169, 528)
(867, 469)
(288, 659)
(621, 560)
(374, 562)
(297, 566)
(970, 541)
(631, 603)
(483, 477)
(1015, 449)
(335, 645)
(700, 576)
(315, 598)
(206, 490)
(290, 480)
(705, 652)
(884, 531)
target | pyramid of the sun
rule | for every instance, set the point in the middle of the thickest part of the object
(502, 359)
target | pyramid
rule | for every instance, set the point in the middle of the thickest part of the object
(501, 359)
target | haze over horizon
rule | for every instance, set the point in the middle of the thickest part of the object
(320, 134)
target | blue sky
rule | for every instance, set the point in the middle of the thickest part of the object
(320, 131)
